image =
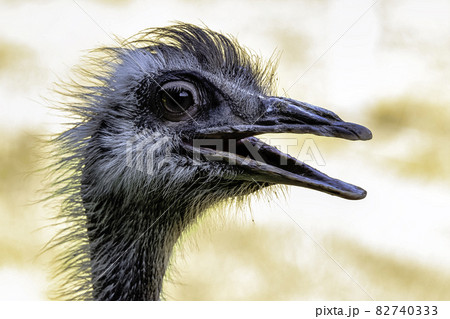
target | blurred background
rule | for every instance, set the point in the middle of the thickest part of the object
(383, 64)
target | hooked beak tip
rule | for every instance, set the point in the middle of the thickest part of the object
(361, 132)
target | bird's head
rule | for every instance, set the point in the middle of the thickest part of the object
(181, 106)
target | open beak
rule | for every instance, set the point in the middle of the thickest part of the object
(263, 163)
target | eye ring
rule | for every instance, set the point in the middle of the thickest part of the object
(179, 100)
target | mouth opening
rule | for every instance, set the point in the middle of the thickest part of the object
(265, 164)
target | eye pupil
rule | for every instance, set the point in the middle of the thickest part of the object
(177, 101)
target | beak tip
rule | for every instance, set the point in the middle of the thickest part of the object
(367, 134)
(361, 132)
(357, 195)
(363, 194)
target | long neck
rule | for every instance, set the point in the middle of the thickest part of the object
(130, 247)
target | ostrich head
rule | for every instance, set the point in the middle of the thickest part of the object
(166, 129)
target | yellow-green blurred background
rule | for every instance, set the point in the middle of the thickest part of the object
(385, 66)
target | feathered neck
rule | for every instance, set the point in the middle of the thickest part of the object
(130, 246)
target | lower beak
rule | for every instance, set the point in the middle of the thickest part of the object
(269, 165)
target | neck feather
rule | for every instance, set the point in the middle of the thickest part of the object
(130, 250)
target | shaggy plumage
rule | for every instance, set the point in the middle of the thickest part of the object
(126, 175)
(103, 168)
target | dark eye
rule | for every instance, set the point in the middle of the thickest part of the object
(179, 100)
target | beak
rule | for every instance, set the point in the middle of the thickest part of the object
(262, 163)
(285, 115)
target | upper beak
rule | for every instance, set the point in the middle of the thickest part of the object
(269, 165)
(284, 115)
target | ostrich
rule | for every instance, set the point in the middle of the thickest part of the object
(164, 128)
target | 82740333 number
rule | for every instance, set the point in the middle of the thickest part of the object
(406, 310)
